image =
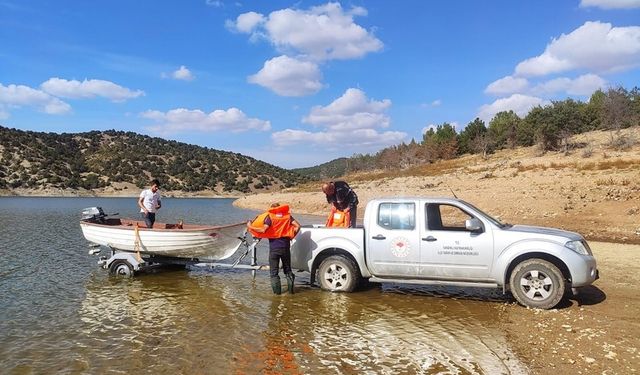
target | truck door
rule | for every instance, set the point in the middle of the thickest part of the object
(393, 247)
(449, 250)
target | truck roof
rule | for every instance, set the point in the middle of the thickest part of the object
(428, 198)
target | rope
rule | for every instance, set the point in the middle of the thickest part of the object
(136, 244)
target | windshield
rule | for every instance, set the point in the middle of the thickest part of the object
(493, 220)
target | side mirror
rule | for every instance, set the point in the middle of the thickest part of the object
(473, 225)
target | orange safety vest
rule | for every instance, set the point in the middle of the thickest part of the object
(280, 223)
(338, 219)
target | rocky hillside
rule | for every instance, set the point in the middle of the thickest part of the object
(116, 159)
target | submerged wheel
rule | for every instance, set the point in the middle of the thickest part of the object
(338, 274)
(537, 283)
(121, 268)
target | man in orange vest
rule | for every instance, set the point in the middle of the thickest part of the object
(279, 227)
(343, 198)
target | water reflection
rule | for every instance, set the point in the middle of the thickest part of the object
(60, 313)
(225, 322)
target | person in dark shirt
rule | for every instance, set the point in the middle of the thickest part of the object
(343, 198)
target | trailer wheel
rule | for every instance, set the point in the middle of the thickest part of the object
(537, 283)
(121, 268)
(338, 274)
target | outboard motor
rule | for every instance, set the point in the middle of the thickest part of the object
(93, 215)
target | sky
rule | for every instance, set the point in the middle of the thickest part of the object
(301, 83)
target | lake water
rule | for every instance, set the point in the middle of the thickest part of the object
(61, 313)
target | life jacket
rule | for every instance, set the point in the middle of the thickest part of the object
(338, 219)
(280, 223)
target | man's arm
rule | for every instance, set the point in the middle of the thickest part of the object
(295, 225)
(263, 228)
(141, 205)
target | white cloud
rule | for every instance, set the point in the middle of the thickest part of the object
(349, 122)
(16, 96)
(287, 76)
(181, 119)
(507, 85)
(183, 73)
(324, 32)
(610, 4)
(89, 89)
(594, 46)
(246, 22)
(584, 85)
(359, 140)
(353, 110)
(520, 104)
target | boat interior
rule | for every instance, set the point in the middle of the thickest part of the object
(127, 223)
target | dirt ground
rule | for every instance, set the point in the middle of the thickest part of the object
(595, 332)
(592, 190)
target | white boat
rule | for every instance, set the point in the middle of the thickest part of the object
(170, 240)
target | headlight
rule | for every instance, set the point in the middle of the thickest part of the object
(579, 247)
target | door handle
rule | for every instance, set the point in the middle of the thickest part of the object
(429, 239)
(379, 237)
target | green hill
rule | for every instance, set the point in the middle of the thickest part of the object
(99, 159)
(331, 169)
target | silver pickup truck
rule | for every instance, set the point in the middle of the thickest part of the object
(446, 241)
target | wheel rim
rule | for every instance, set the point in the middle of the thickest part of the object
(123, 270)
(336, 276)
(536, 285)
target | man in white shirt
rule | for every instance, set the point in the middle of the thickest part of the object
(149, 203)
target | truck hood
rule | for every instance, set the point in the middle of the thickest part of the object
(559, 234)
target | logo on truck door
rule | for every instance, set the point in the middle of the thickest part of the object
(400, 247)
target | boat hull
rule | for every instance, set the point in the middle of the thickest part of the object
(201, 242)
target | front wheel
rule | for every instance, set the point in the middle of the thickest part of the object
(121, 268)
(338, 274)
(537, 283)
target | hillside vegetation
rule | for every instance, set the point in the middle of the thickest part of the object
(550, 127)
(594, 190)
(101, 159)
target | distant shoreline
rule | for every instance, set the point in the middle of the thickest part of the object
(68, 193)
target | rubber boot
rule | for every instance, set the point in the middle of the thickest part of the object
(275, 285)
(290, 278)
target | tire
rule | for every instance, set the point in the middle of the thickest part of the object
(337, 273)
(121, 268)
(537, 283)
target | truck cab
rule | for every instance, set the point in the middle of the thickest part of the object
(446, 241)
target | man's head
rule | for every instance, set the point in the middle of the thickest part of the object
(155, 185)
(274, 205)
(328, 188)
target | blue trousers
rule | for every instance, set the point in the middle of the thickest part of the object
(149, 219)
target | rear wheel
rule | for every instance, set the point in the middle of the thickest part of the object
(537, 283)
(338, 274)
(121, 268)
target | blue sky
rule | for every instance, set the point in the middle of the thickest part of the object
(300, 83)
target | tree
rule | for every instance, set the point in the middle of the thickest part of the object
(617, 111)
(503, 129)
(473, 139)
(443, 141)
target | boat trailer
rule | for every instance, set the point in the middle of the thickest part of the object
(127, 264)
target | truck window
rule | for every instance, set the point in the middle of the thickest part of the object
(397, 216)
(446, 217)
